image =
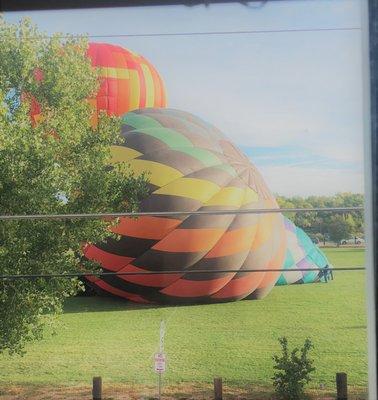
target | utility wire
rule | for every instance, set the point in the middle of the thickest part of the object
(176, 213)
(211, 33)
(182, 272)
(203, 33)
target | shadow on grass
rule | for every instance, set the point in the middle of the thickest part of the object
(355, 327)
(101, 303)
(96, 303)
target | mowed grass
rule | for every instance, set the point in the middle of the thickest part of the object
(117, 340)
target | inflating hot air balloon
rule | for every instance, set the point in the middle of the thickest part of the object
(302, 254)
(127, 82)
(192, 166)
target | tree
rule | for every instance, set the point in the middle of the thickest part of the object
(340, 227)
(58, 165)
(320, 223)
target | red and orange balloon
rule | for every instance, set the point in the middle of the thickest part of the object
(127, 82)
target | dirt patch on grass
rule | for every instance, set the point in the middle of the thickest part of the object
(184, 391)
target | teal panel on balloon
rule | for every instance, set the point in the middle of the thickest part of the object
(281, 281)
(302, 256)
(289, 260)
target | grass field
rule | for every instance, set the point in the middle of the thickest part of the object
(108, 337)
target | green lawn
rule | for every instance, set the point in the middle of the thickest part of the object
(102, 336)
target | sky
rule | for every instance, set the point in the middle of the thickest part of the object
(289, 94)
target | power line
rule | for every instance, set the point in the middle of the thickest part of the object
(203, 33)
(212, 33)
(176, 213)
(182, 272)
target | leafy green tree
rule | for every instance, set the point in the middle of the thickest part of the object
(59, 165)
(340, 227)
(320, 223)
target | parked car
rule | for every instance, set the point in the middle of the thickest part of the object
(354, 240)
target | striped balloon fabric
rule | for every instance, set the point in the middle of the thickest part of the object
(302, 253)
(192, 166)
(128, 80)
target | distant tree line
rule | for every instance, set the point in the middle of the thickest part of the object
(326, 226)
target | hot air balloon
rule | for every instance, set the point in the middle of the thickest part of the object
(192, 166)
(127, 82)
(301, 254)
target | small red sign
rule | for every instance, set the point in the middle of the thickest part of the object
(160, 363)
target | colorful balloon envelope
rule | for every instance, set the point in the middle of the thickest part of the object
(192, 166)
(302, 258)
(127, 82)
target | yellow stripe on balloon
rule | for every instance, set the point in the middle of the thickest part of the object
(150, 88)
(227, 196)
(121, 154)
(250, 196)
(159, 174)
(192, 188)
(111, 72)
(134, 90)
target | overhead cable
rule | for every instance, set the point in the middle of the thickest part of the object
(182, 272)
(176, 213)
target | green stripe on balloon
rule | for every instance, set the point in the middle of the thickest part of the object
(167, 136)
(205, 156)
(139, 121)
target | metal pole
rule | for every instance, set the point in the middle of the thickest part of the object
(159, 391)
(141, 273)
(175, 213)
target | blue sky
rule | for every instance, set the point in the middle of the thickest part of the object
(291, 100)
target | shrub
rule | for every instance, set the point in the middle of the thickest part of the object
(293, 370)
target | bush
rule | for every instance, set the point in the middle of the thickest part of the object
(293, 370)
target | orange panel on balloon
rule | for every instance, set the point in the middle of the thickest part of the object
(146, 227)
(152, 280)
(189, 240)
(233, 242)
(275, 263)
(240, 287)
(109, 261)
(189, 288)
(264, 232)
(121, 293)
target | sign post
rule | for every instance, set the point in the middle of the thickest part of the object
(160, 359)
